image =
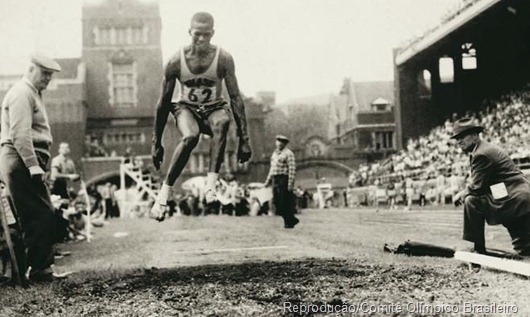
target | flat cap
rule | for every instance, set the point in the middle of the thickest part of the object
(282, 138)
(45, 62)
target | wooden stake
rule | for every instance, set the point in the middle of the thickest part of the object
(7, 234)
(88, 207)
(512, 266)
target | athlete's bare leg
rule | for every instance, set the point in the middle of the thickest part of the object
(220, 122)
(189, 129)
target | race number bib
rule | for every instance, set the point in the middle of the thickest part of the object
(199, 95)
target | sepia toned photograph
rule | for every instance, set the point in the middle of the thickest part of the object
(264, 158)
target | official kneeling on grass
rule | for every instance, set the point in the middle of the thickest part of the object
(497, 192)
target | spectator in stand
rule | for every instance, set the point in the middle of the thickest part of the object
(441, 188)
(96, 149)
(115, 208)
(409, 192)
(128, 156)
(107, 200)
(62, 171)
(391, 194)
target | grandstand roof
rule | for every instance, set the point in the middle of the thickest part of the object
(470, 10)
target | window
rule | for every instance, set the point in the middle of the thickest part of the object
(380, 107)
(469, 56)
(123, 85)
(383, 140)
(124, 138)
(120, 35)
(103, 36)
(447, 70)
(424, 83)
(138, 35)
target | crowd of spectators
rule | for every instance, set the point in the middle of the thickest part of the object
(233, 199)
(435, 156)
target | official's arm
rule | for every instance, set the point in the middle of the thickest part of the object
(291, 162)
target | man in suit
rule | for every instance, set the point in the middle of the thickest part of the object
(497, 193)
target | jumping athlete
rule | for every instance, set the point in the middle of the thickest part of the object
(200, 69)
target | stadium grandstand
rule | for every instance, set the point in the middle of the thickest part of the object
(473, 64)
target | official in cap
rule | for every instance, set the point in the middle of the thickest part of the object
(282, 176)
(282, 138)
(25, 139)
(46, 62)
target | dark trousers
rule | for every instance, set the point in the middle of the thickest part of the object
(283, 198)
(475, 220)
(32, 204)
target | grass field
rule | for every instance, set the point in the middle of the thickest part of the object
(251, 266)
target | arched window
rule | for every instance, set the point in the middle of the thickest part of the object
(424, 83)
(447, 70)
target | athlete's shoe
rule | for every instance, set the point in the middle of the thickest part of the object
(158, 211)
(210, 195)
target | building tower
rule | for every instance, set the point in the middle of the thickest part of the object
(123, 57)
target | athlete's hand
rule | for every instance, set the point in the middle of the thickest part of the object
(158, 155)
(243, 151)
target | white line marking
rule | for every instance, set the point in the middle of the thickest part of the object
(272, 247)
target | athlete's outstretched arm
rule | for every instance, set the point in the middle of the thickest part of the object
(238, 108)
(163, 108)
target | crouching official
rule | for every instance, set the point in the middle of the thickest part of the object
(25, 138)
(497, 193)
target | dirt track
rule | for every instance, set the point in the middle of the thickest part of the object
(264, 288)
(224, 266)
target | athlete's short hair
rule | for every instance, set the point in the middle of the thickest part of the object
(203, 17)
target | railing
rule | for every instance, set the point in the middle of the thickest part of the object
(144, 184)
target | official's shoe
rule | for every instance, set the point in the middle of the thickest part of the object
(61, 254)
(48, 276)
(9, 282)
(292, 224)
